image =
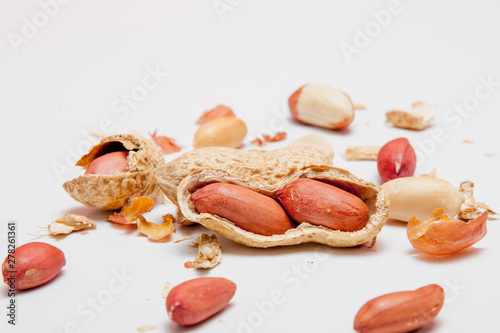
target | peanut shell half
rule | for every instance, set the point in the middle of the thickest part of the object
(114, 191)
(267, 172)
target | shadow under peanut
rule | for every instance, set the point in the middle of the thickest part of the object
(230, 247)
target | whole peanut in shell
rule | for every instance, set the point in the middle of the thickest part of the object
(267, 172)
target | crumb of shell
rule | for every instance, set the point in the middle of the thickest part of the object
(359, 106)
(166, 289)
(362, 153)
(491, 154)
(258, 142)
(468, 141)
(261, 142)
(182, 238)
(84, 233)
(209, 252)
(279, 136)
(146, 328)
(419, 118)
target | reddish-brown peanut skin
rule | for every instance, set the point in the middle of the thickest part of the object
(447, 237)
(292, 103)
(396, 159)
(108, 164)
(34, 263)
(195, 300)
(247, 209)
(318, 203)
(400, 312)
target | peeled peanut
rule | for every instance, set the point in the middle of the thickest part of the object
(195, 300)
(318, 203)
(400, 312)
(322, 106)
(396, 159)
(221, 132)
(247, 209)
(108, 164)
(440, 235)
(420, 196)
(32, 264)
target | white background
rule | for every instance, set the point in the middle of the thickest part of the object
(68, 77)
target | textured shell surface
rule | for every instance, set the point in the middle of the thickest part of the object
(261, 165)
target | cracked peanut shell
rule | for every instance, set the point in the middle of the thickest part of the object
(115, 190)
(267, 172)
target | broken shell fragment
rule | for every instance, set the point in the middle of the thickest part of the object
(130, 214)
(69, 223)
(418, 119)
(439, 235)
(209, 253)
(113, 191)
(156, 231)
(362, 153)
(167, 145)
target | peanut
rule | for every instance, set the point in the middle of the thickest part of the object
(196, 300)
(108, 164)
(439, 235)
(420, 196)
(33, 264)
(247, 209)
(396, 159)
(322, 106)
(221, 132)
(318, 203)
(400, 312)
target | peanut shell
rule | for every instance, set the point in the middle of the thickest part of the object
(114, 191)
(267, 172)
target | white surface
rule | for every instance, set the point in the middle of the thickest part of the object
(69, 78)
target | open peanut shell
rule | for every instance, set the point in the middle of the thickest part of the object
(267, 172)
(113, 191)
